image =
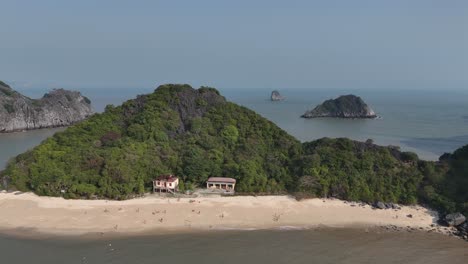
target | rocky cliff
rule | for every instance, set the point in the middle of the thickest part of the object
(346, 106)
(276, 96)
(57, 108)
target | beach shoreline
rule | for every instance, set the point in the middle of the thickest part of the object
(26, 214)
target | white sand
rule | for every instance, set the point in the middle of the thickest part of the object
(27, 211)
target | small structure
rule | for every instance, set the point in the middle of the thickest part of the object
(166, 183)
(221, 183)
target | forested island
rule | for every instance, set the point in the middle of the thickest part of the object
(197, 133)
(345, 106)
(57, 108)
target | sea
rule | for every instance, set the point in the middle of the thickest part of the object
(334, 246)
(428, 123)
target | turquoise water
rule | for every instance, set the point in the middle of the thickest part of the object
(426, 122)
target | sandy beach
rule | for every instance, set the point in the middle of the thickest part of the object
(153, 214)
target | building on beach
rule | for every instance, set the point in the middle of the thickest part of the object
(221, 183)
(166, 183)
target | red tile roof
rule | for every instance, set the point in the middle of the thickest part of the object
(167, 178)
(222, 179)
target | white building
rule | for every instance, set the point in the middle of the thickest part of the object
(166, 183)
(221, 183)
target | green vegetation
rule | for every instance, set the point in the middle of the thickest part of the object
(36, 103)
(346, 106)
(9, 108)
(446, 182)
(4, 84)
(5, 89)
(196, 134)
(342, 102)
(357, 171)
(191, 133)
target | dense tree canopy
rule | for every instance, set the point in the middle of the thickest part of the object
(192, 133)
(446, 182)
(353, 170)
(196, 133)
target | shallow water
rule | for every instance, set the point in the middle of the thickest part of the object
(301, 246)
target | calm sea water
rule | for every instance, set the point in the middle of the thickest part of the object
(306, 246)
(426, 122)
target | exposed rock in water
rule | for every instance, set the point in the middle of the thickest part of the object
(455, 219)
(345, 106)
(276, 96)
(57, 108)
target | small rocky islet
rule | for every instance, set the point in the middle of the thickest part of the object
(276, 96)
(57, 108)
(345, 106)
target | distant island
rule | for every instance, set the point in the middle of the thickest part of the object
(345, 106)
(57, 108)
(276, 96)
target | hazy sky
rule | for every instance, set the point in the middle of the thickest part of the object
(235, 44)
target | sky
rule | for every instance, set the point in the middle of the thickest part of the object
(374, 44)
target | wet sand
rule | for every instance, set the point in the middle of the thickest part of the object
(322, 245)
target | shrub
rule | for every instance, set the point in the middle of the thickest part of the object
(9, 108)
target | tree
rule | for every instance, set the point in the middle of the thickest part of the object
(230, 135)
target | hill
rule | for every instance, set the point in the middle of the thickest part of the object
(57, 108)
(196, 133)
(446, 184)
(345, 106)
(177, 129)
